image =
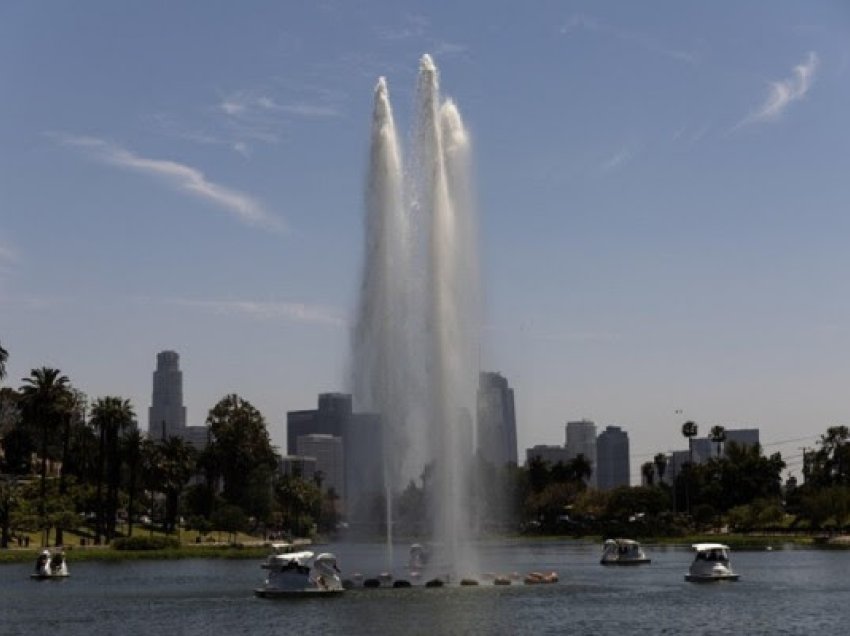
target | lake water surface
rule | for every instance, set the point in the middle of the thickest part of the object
(790, 591)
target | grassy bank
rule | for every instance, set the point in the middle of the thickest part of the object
(105, 553)
(737, 541)
(734, 541)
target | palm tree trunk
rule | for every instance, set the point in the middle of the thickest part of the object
(131, 495)
(43, 505)
(66, 434)
(98, 531)
(688, 475)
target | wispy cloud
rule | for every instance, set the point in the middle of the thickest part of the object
(410, 26)
(590, 24)
(250, 116)
(248, 104)
(784, 92)
(620, 157)
(180, 176)
(266, 310)
(690, 135)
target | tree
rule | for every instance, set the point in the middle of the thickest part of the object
(538, 473)
(111, 416)
(830, 464)
(9, 493)
(73, 414)
(241, 453)
(580, 469)
(660, 461)
(625, 502)
(131, 444)
(45, 396)
(170, 466)
(231, 519)
(647, 470)
(718, 436)
(299, 500)
(689, 430)
(4, 356)
(16, 442)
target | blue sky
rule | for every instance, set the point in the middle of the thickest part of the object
(663, 191)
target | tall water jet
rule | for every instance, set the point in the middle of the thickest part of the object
(380, 348)
(415, 341)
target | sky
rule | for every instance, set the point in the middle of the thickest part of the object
(663, 193)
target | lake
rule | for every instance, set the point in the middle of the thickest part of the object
(789, 591)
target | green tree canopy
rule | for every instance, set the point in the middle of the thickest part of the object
(241, 454)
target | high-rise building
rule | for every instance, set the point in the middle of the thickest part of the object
(496, 430)
(167, 415)
(295, 466)
(362, 443)
(675, 462)
(331, 418)
(581, 440)
(612, 458)
(330, 461)
(704, 448)
(549, 454)
(742, 437)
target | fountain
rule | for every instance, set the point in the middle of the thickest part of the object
(415, 343)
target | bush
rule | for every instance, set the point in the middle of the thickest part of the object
(145, 543)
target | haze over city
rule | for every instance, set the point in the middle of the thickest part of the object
(662, 195)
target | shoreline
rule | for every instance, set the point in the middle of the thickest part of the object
(105, 553)
(260, 550)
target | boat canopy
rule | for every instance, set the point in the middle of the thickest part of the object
(325, 557)
(280, 548)
(300, 558)
(705, 547)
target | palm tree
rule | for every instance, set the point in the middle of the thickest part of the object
(581, 469)
(110, 416)
(689, 430)
(132, 451)
(648, 472)
(172, 465)
(4, 355)
(718, 436)
(660, 461)
(44, 399)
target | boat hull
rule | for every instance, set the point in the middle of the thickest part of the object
(273, 593)
(695, 578)
(49, 577)
(627, 562)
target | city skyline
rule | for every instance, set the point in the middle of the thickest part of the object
(662, 194)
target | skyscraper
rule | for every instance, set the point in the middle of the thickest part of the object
(612, 458)
(496, 430)
(167, 415)
(362, 444)
(552, 455)
(330, 460)
(741, 437)
(581, 440)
